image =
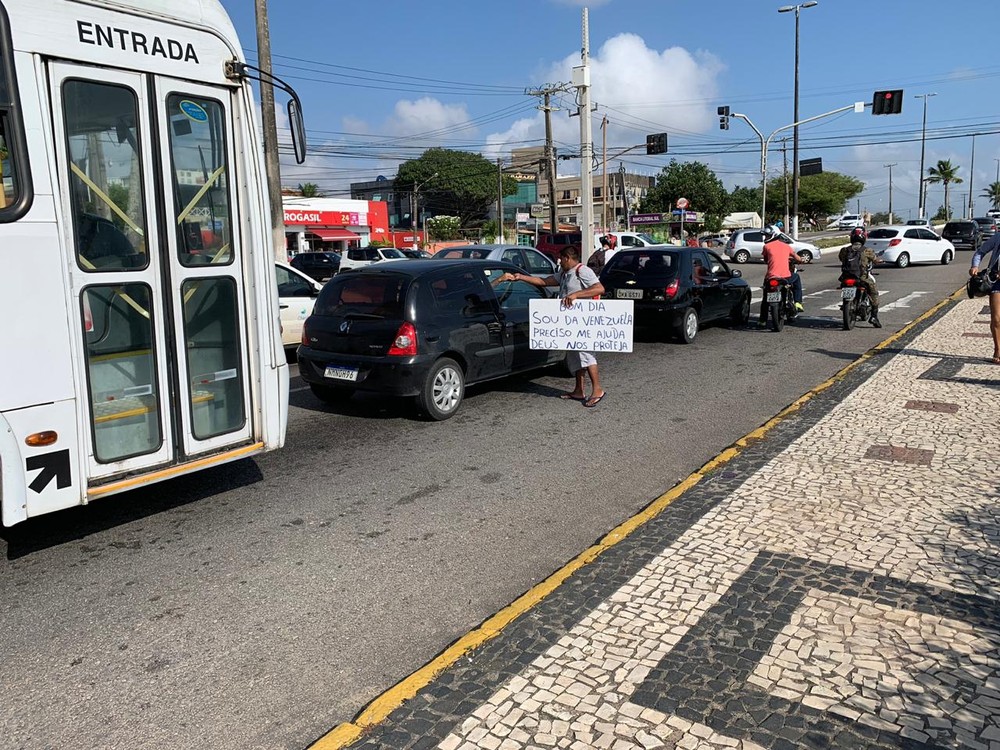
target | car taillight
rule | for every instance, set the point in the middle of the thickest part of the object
(893, 243)
(405, 343)
(773, 283)
(671, 289)
(305, 337)
(731, 244)
(850, 281)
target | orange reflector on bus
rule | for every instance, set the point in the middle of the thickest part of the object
(39, 439)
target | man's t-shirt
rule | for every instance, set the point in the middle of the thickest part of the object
(576, 279)
(778, 256)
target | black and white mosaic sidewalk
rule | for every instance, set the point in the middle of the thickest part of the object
(835, 585)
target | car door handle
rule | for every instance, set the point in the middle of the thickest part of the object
(494, 327)
(283, 307)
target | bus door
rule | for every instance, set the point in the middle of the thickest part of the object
(163, 352)
(205, 264)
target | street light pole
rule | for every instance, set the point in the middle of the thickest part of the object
(923, 143)
(795, 118)
(414, 217)
(890, 166)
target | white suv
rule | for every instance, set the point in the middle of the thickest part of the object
(358, 257)
(850, 221)
(748, 244)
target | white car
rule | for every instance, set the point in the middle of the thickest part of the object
(359, 257)
(748, 244)
(296, 297)
(903, 244)
(850, 221)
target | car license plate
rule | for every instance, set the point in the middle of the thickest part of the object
(848, 292)
(628, 293)
(774, 296)
(341, 373)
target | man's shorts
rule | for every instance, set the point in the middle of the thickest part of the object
(576, 361)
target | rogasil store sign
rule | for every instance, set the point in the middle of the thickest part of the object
(326, 218)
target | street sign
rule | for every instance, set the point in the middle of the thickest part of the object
(539, 210)
(646, 219)
(521, 218)
(810, 166)
(686, 215)
(682, 203)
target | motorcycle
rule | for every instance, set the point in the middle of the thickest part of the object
(857, 305)
(780, 302)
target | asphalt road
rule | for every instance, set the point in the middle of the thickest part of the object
(258, 604)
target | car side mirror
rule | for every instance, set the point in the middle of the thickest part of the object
(737, 273)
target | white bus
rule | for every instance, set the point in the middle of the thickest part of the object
(139, 334)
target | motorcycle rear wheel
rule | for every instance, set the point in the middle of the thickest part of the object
(849, 316)
(777, 315)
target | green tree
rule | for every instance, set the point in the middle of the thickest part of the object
(443, 227)
(465, 184)
(119, 196)
(993, 193)
(946, 174)
(694, 181)
(820, 195)
(940, 216)
(309, 190)
(743, 199)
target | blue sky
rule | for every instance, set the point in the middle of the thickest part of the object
(382, 81)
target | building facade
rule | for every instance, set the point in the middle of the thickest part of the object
(334, 224)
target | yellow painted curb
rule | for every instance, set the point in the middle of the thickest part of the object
(380, 708)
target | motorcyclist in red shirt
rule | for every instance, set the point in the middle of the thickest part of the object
(779, 256)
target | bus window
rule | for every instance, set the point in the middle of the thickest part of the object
(15, 189)
(201, 180)
(121, 371)
(8, 181)
(109, 213)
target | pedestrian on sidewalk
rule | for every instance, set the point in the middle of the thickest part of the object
(992, 246)
(575, 282)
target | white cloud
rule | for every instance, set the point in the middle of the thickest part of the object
(640, 89)
(424, 115)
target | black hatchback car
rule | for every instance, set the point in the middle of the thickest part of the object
(424, 328)
(320, 266)
(677, 289)
(965, 233)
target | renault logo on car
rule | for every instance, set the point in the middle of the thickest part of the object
(344, 326)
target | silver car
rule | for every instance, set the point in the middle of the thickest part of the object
(528, 258)
(748, 244)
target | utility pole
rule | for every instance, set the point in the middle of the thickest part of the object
(921, 187)
(581, 79)
(621, 173)
(890, 166)
(784, 156)
(604, 174)
(550, 153)
(272, 167)
(500, 238)
(972, 174)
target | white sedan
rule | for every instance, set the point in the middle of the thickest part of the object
(902, 244)
(296, 297)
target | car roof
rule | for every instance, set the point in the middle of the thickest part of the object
(421, 266)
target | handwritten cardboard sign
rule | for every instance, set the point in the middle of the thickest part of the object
(589, 325)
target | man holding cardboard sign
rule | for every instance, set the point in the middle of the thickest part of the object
(575, 281)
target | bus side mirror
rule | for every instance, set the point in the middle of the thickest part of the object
(298, 127)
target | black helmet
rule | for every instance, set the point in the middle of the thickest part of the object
(859, 236)
(770, 232)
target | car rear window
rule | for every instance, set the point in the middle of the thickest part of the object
(959, 226)
(362, 294)
(639, 265)
(463, 252)
(882, 234)
(391, 252)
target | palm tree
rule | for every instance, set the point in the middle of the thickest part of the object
(993, 193)
(309, 190)
(946, 174)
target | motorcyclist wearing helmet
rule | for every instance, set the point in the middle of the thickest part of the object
(857, 259)
(779, 256)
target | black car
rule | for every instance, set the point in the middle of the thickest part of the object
(677, 289)
(320, 266)
(964, 233)
(424, 328)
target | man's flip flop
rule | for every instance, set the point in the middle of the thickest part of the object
(592, 402)
(571, 397)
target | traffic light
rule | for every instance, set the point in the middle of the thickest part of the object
(656, 144)
(887, 102)
(723, 118)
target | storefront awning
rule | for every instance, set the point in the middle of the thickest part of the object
(334, 234)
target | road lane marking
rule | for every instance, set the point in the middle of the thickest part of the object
(904, 301)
